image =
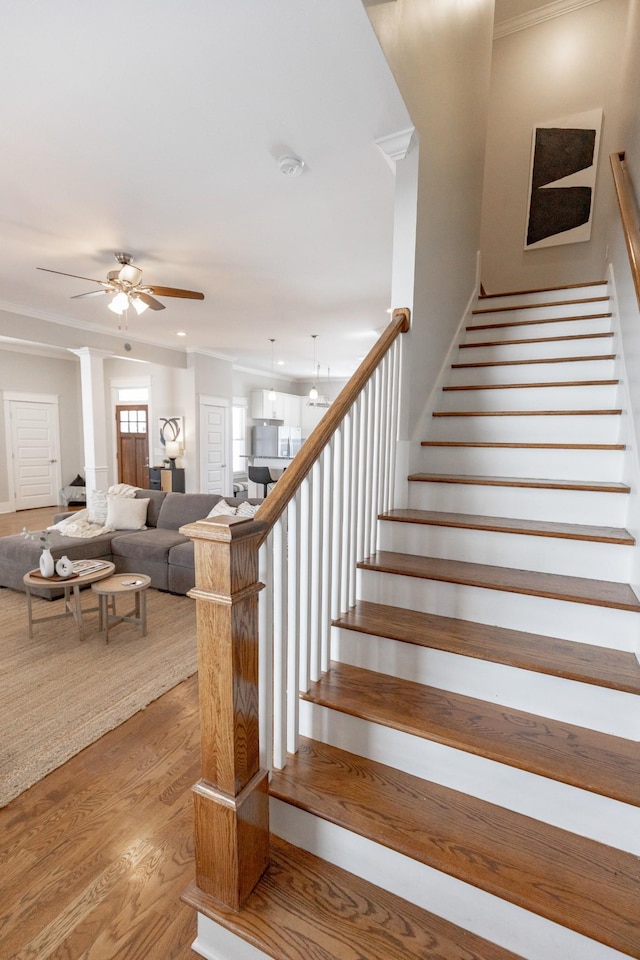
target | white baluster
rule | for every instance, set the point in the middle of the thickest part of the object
(304, 534)
(353, 498)
(361, 507)
(384, 433)
(368, 501)
(327, 554)
(336, 551)
(265, 656)
(343, 493)
(315, 572)
(375, 460)
(279, 645)
(293, 626)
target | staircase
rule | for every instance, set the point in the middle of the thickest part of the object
(468, 782)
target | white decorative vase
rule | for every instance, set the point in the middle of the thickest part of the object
(64, 567)
(47, 566)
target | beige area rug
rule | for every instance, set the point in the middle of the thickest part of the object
(58, 694)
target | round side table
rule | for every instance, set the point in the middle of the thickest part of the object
(122, 584)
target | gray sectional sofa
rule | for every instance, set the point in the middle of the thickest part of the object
(159, 551)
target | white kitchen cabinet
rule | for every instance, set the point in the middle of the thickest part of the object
(262, 408)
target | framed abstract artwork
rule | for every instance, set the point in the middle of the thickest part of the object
(564, 157)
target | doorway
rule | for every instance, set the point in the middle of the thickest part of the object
(34, 438)
(132, 441)
(214, 472)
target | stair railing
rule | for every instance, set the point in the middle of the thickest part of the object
(627, 204)
(258, 648)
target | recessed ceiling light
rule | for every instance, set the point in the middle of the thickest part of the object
(180, 333)
(280, 363)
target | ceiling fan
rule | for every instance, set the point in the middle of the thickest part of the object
(125, 284)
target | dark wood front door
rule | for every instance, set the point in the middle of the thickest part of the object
(132, 430)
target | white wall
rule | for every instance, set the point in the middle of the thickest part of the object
(563, 66)
(440, 54)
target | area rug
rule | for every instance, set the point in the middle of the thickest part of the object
(59, 694)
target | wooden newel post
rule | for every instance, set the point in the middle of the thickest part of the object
(231, 800)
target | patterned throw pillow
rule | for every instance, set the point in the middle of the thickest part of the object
(222, 509)
(98, 507)
(247, 509)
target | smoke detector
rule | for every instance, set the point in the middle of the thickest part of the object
(291, 166)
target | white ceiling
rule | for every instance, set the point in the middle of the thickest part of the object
(154, 128)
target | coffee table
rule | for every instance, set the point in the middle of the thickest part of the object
(71, 586)
(122, 584)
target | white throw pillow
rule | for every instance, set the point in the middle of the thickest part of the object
(98, 507)
(222, 509)
(247, 509)
(126, 514)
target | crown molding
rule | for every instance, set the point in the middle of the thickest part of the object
(548, 12)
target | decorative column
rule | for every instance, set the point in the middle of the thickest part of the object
(94, 418)
(231, 800)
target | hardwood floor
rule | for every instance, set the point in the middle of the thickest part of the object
(96, 855)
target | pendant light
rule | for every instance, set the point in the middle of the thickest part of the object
(272, 391)
(313, 393)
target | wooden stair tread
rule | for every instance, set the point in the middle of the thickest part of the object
(554, 656)
(553, 586)
(516, 363)
(535, 528)
(528, 323)
(592, 761)
(505, 343)
(534, 306)
(527, 413)
(305, 907)
(538, 383)
(586, 886)
(523, 446)
(596, 486)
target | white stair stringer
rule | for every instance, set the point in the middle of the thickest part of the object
(569, 620)
(526, 934)
(560, 555)
(607, 710)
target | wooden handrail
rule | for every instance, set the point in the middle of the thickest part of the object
(628, 215)
(285, 489)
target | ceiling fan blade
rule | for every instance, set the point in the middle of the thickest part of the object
(76, 277)
(92, 293)
(174, 292)
(150, 301)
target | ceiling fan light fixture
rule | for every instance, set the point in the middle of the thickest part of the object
(130, 274)
(119, 303)
(139, 305)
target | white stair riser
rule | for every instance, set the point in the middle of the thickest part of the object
(601, 397)
(568, 701)
(558, 804)
(215, 943)
(538, 312)
(597, 465)
(590, 346)
(567, 428)
(572, 558)
(479, 333)
(561, 506)
(589, 291)
(498, 921)
(534, 372)
(586, 623)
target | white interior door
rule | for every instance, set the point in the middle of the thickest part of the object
(214, 472)
(35, 444)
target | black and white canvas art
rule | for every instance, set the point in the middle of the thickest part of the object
(564, 159)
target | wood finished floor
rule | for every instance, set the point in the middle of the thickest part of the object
(95, 856)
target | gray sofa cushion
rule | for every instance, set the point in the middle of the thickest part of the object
(156, 499)
(180, 508)
(146, 545)
(18, 555)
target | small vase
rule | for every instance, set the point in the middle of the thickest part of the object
(47, 565)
